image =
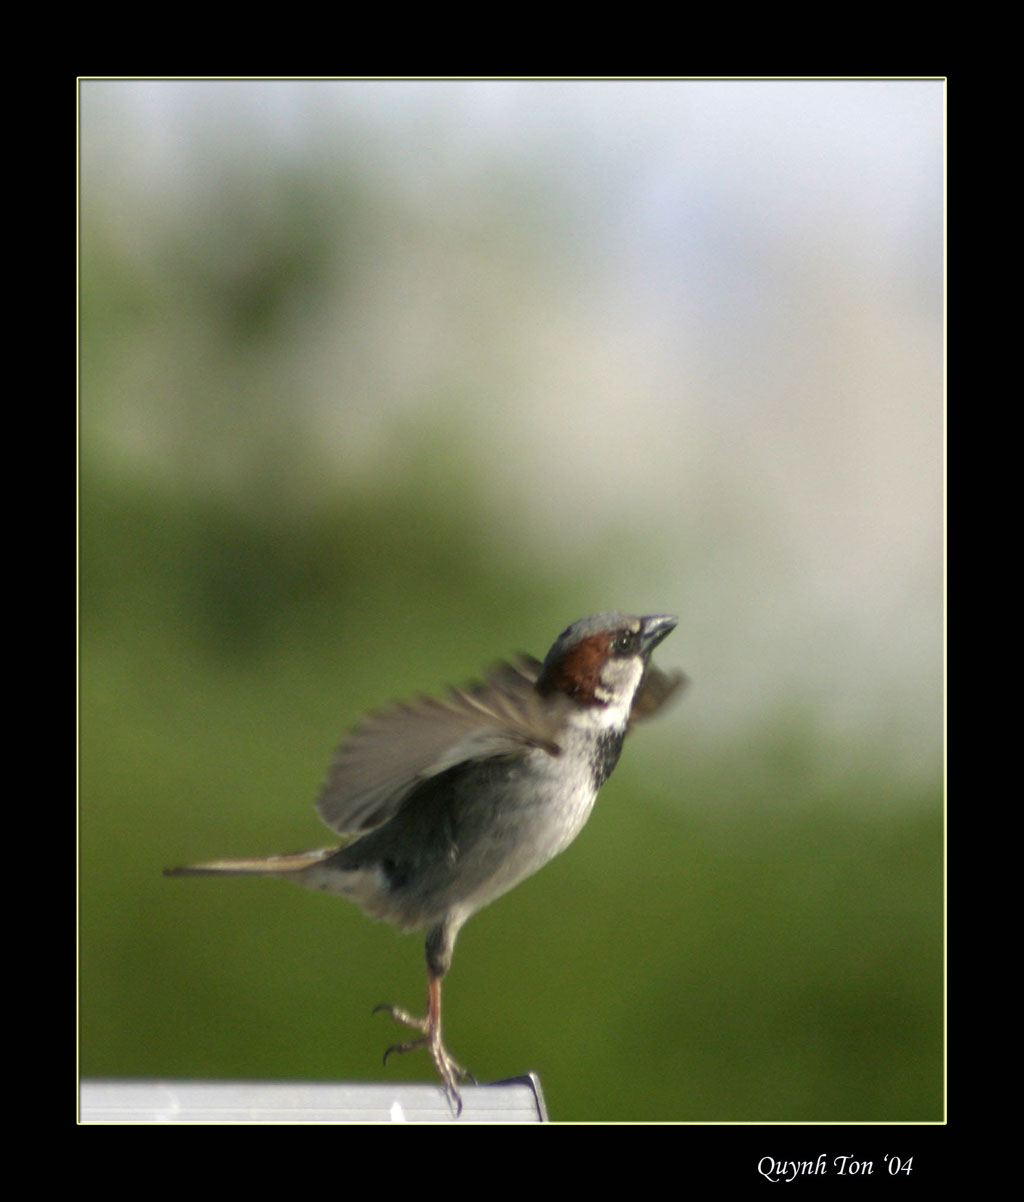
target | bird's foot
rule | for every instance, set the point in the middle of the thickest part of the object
(449, 1070)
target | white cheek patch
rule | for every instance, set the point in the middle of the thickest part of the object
(620, 679)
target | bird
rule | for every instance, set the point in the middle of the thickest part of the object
(449, 802)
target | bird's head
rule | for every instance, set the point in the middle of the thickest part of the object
(601, 661)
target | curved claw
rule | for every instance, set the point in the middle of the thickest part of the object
(403, 1016)
(404, 1047)
(450, 1074)
(449, 1070)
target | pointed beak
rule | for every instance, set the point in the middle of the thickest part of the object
(654, 629)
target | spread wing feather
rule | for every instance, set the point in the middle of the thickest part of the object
(379, 764)
(658, 688)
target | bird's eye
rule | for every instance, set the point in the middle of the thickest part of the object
(625, 643)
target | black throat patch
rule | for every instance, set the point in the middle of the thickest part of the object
(606, 755)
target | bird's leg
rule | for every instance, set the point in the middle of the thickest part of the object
(449, 1070)
(439, 945)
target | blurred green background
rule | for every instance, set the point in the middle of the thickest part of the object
(382, 381)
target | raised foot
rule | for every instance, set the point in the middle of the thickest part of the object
(449, 1070)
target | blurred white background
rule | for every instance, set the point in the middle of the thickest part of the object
(690, 331)
(382, 380)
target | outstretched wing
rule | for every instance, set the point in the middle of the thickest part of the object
(658, 688)
(378, 765)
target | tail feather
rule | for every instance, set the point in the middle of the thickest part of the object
(284, 865)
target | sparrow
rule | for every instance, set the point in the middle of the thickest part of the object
(449, 802)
